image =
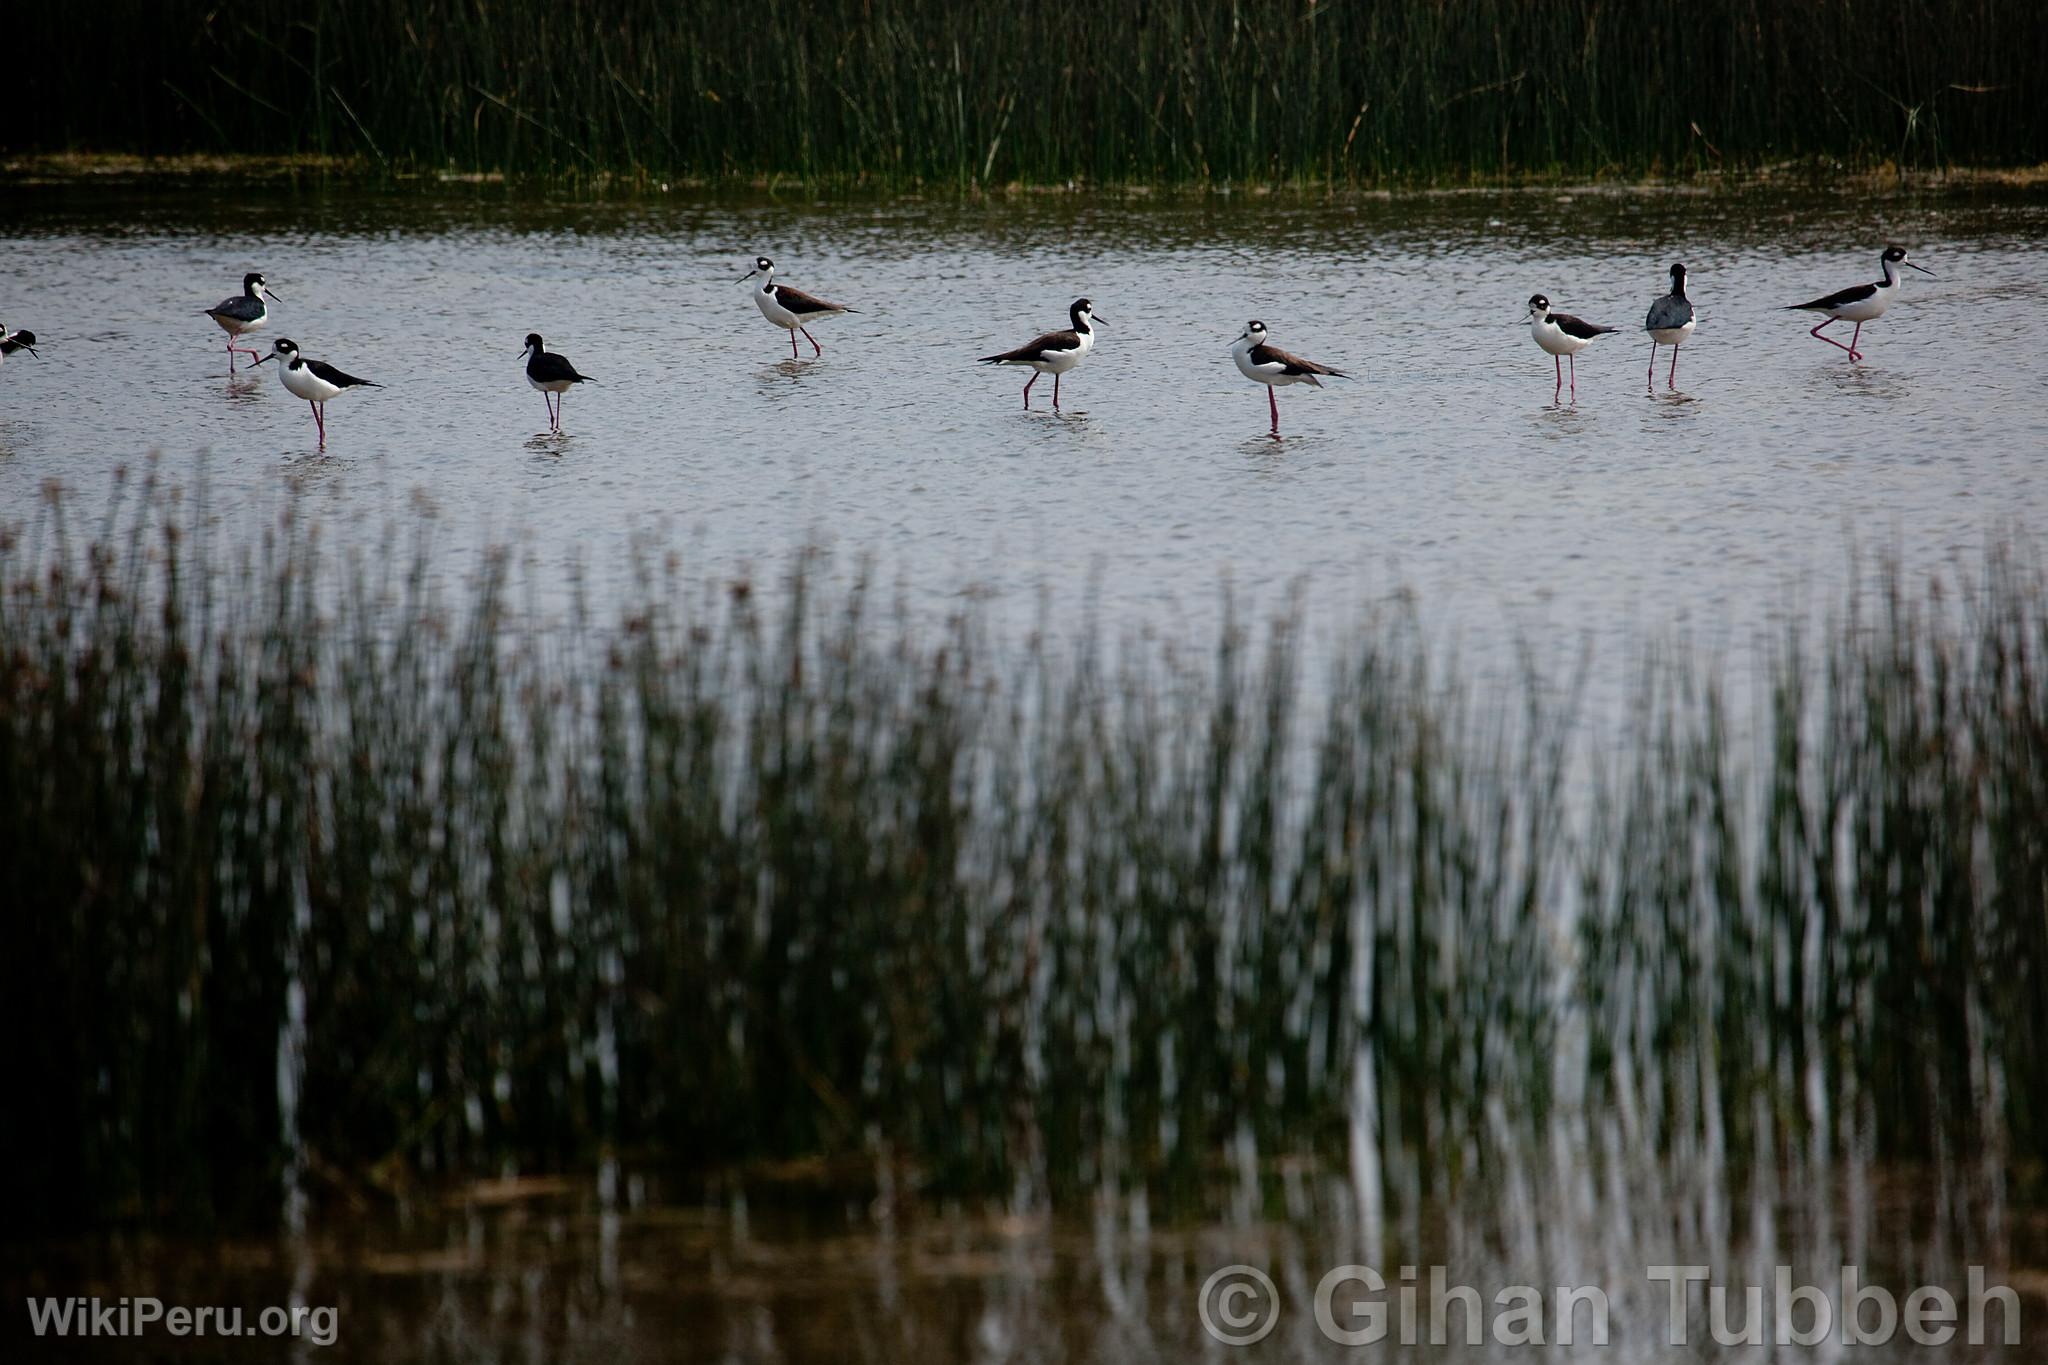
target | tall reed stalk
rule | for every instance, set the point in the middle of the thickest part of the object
(930, 92)
(316, 884)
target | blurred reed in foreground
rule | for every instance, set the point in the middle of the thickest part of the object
(314, 883)
(927, 92)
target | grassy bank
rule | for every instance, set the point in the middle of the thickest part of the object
(316, 882)
(918, 91)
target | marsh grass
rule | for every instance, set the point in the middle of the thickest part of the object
(319, 884)
(931, 93)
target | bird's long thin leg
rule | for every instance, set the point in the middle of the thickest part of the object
(1557, 364)
(1273, 400)
(558, 410)
(792, 346)
(1673, 381)
(1055, 391)
(1815, 332)
(1027, 390)
(231, 355)
(1855, 354)
(1651, 378)
(319, 420)
(816, 349)
(1575, 375)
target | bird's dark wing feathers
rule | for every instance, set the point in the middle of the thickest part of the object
(1291, 364)
(1036, 348)
(1579, 327)
(1669, 311)
(241, 308)
(322, 370)
(797, 301)
(1841, 298)
(549, 368)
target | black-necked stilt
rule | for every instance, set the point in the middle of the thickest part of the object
(244, 313)
(1271, 366)
(316, 381)
(1862, 303)
(1563, 335)
(10, 342)
(551, 373)
(790, 308)
(1054, 353)
(1670, 323)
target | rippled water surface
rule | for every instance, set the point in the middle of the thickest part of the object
(1445, 467)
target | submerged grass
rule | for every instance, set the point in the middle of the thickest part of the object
(317, 884)
(929, 92)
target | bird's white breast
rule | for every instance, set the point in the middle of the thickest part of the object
(772, 310)
(1554, 338)
(307, 385)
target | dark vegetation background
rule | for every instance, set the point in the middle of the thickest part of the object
(902, 91)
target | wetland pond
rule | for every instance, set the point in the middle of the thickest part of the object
(1445, 474)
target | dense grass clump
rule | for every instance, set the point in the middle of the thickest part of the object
(316, 883)
(933, 92)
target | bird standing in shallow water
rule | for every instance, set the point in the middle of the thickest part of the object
(790, 308)
(551, 374)
(1271, 366)
(1562, 335)
(1670, 323)
(244, 313)
(1863, 302)
(316, 381)
(1054, 353)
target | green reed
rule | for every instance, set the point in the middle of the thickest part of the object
(316, 876)
(919, 91)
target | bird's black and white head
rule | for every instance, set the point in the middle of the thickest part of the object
(284, 348)
(762, 266)
(1254, 334)
(1678, 279)
(1539, 306)
(533, 345)
(255, 287)
(24, 340)
(1895, 256)
(1083, 314)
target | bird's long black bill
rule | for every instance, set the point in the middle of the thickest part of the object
(1924, 270)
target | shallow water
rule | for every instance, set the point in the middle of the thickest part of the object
(1446, 467)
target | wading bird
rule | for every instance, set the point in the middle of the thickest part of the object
(10, 342)
(1670, 323)
(551, 374)
(1054, 353)
(1861, 303)
(244, 313)
(316, 381)
(790, 308)
(1563, 335)
(1271, 366)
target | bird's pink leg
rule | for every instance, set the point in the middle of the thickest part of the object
(1651, 378)
(1575, 375)
(1673, 381)
(558, 411)
(1273, 400)
(792, 346)
(1815, 332)
(1855, 354)
(1557, 364)
(319, 420)
(816, 349)
(1027, 389)
(1055, 391)
(231, 355)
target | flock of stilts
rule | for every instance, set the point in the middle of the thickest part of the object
(1670, 322)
